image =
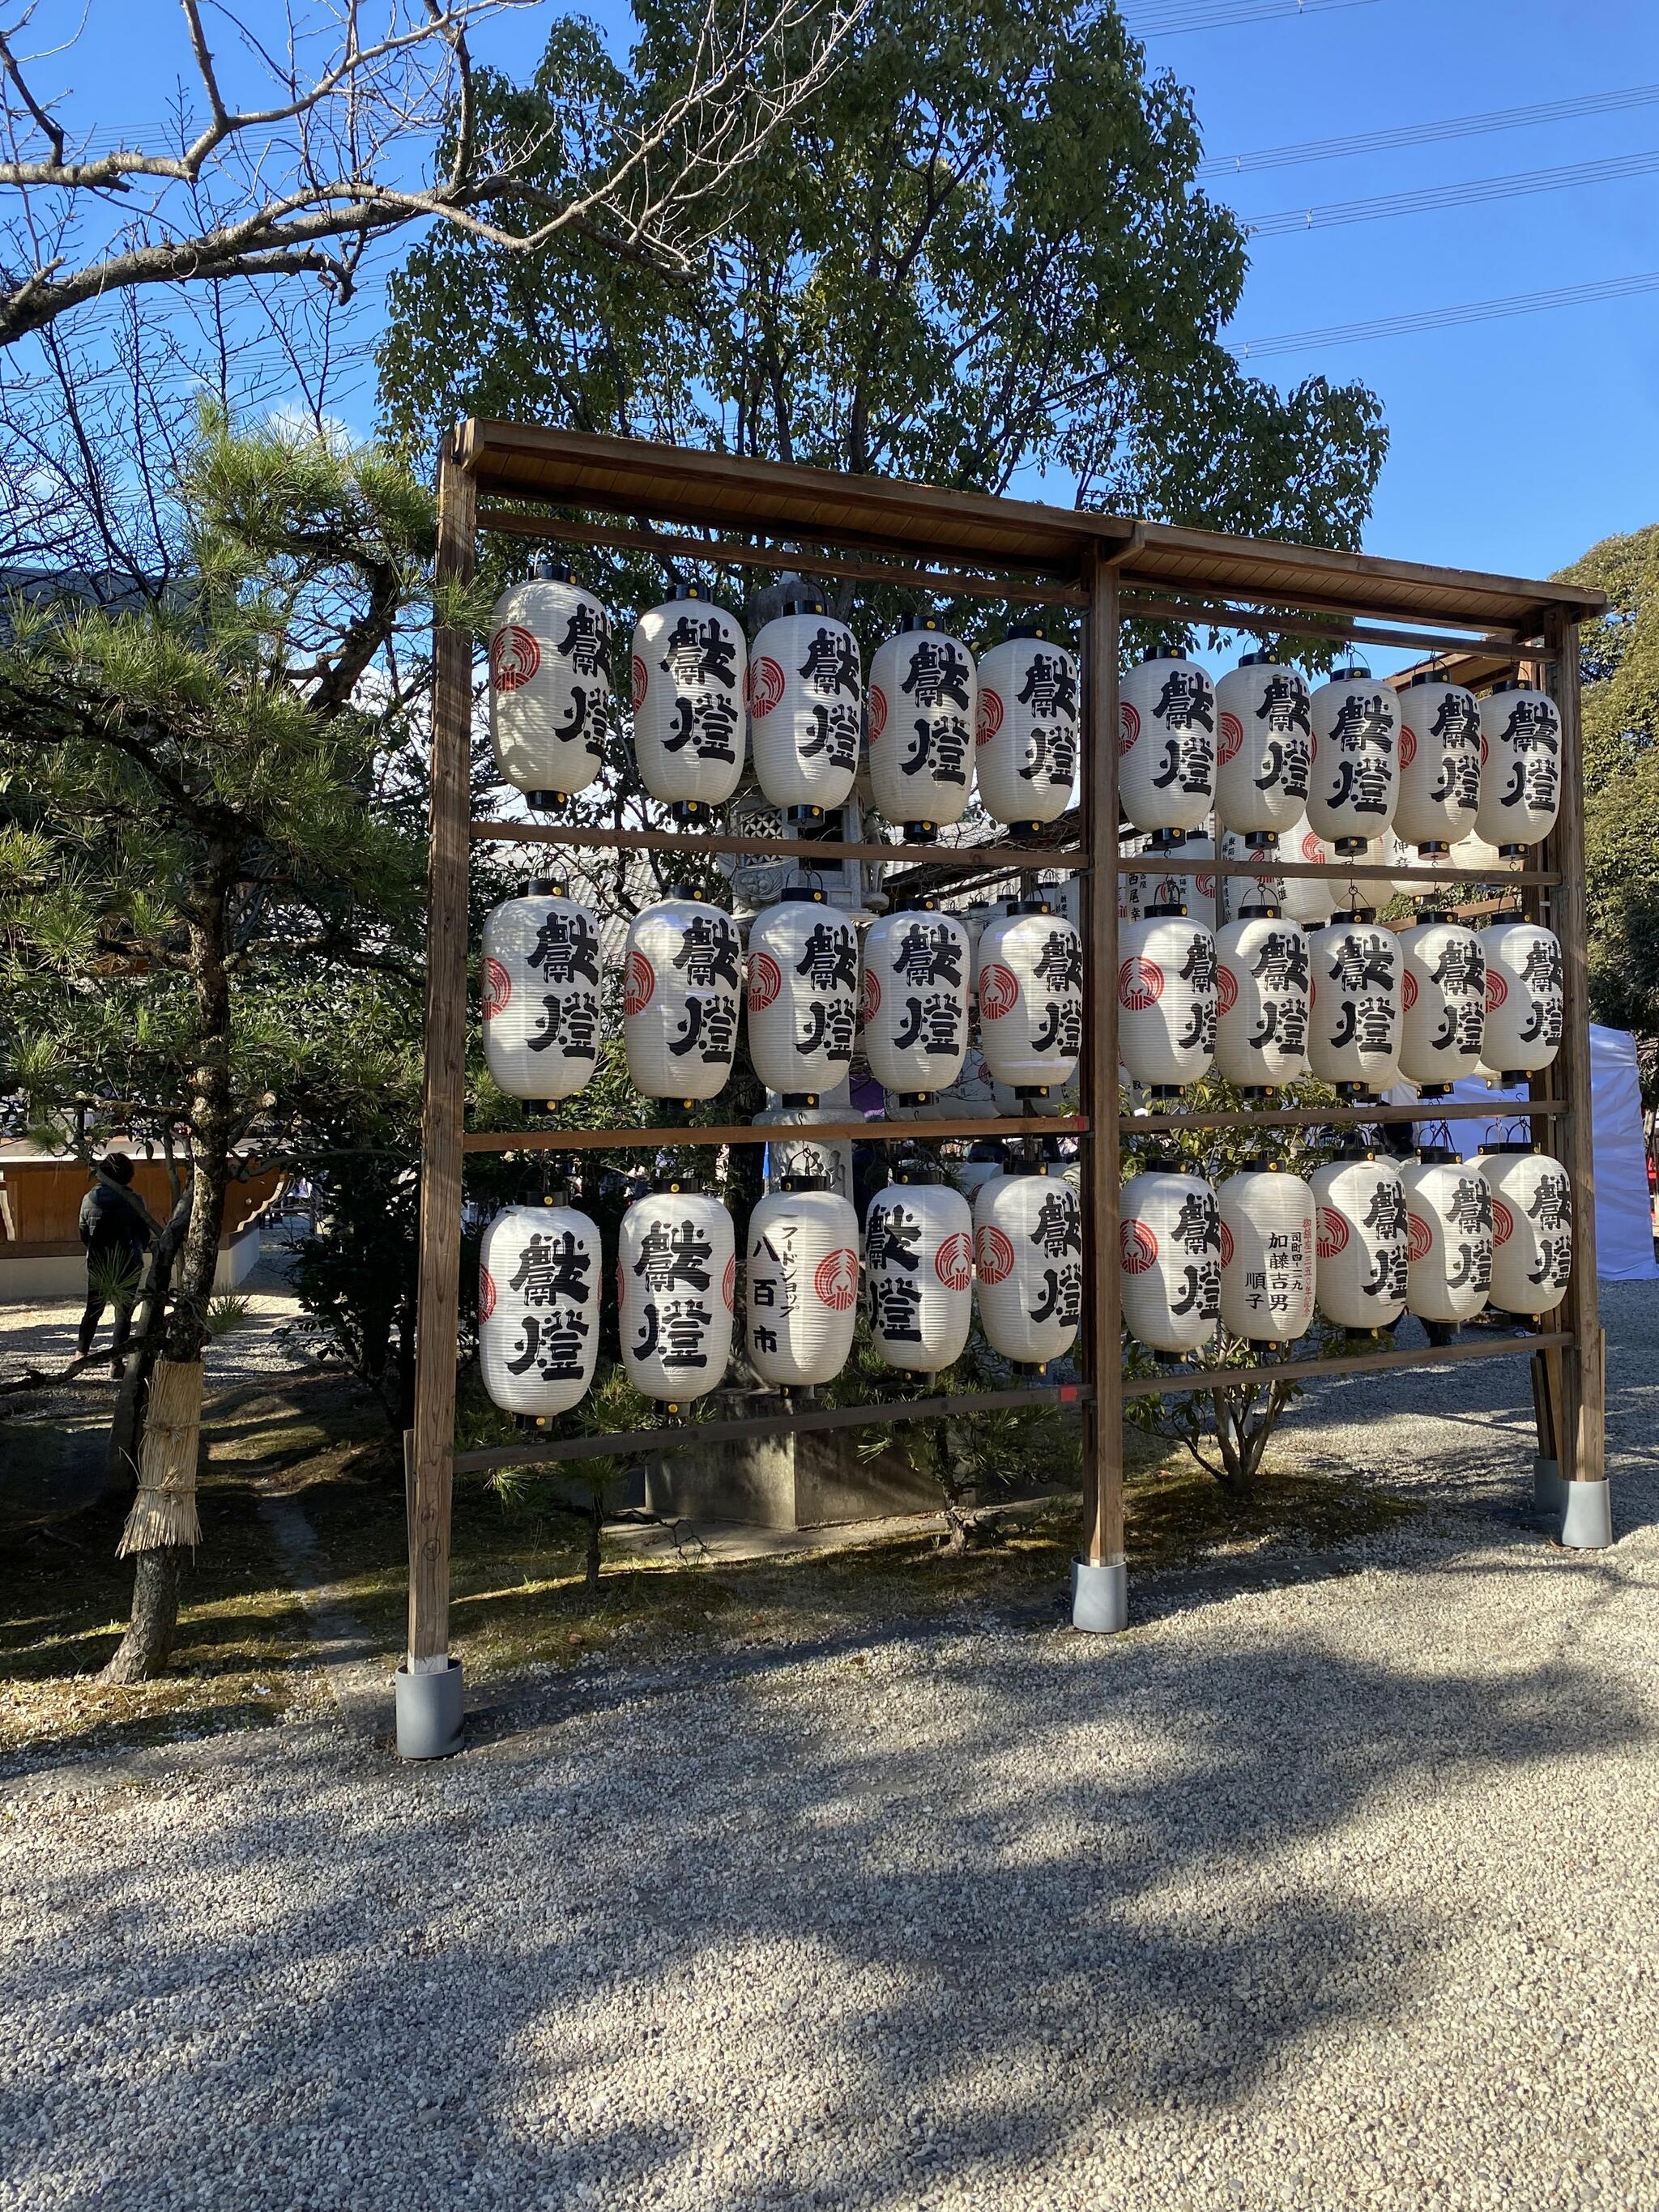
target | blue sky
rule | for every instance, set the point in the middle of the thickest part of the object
(1516, 443)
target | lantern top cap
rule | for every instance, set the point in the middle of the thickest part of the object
(677, 1187)
(908, 622)
(794, 1183)
(1028, 629)
(1258, 1163)
(557, 1192)
(545, 569)
(683, 591)
(1162, 909)
(1436, 1156)
(1512, 1145)
(1260, 909)
(547, 887)
(1426, 914)
(1510, 684)
(1261, 660)
(812, 892)
(1035, 904)
(1355, 914)
(1163, 652)
(688, 892)
(1163, 1162)
(808, 604)
(1354, 1148)
(1346, 674)
(1503, 920)
(916, 903)
(917, 1171)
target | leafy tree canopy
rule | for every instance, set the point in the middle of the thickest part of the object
(979, 252)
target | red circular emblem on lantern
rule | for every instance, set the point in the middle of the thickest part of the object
(954, 1265)
(1233, 736)
(1226, 1246)
(1497, 989)
(729, 1284)
(1140, 984)
(1331, 1236)
(497, 989)
(877, 711)
(765, 982)
(1128, 728)
(1408, 744)
(639, 981)
(638, 680)
(1226, 990)
(998, 992)
(1422, 1236)
(835, 1279)
(515, 657)
(486, 1294)
(1205, 886)
(994, 1254)
(1313, 851)
(1408, 988)
(765, 686)
(1137, 1247)
(988, 720)
(870, 998)
(1503, 1222)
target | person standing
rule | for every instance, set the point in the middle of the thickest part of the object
(117, 1228)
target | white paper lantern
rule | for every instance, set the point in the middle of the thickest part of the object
(1521, 767)
(551, 708)
(1526, 1006)
(1167, 997)
(913, 1005)
(1361, 1243)
(798, 1150)
(1443, 993)
(801, 1285)
(804, 698)
(803, 995)
(919, 1267)
(1307, 900)
(1027, 728)
(1448, 1222)
(1030, 998)
(1262, 1000)
(676, 1279)
(1439, 764)
(1353, 783)
(690, 675)
(1264, 749)
(1027, 1257)
(1353, 1040)
(539, 1309)
(1166, 745)
(1531, 1228)
(921, 714)
(541, 992)
(1266, 1255)
(1170, 1260)
(680, 999)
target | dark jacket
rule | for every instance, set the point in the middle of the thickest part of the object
(111, 1222)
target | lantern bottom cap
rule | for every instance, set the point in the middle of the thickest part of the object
(914, 1097)
(1261, 840)
(1348, 847)
(809, 818)
(1360, 1094)
(1166, 841)
(1433, 846)
(1587, 1516)
(1514, 1075)
(920, 833)
(431, 1708)
(1510, 852)
(547, 802)
(1434, 1091)
(1031, 1090)
(794, 1098)
(1100, 1596)
(1026, 828)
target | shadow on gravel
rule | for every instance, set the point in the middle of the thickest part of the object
(777, 1938)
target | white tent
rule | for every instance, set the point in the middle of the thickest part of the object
(1624, 1223)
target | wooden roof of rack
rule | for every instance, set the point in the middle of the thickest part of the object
(639, 480)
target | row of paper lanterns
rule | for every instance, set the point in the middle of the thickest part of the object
(924, 1247)
(811, 989)
(1361, 1240)
(931, 725)
(1264, 1001)
(1352, 756)
(1371, 878)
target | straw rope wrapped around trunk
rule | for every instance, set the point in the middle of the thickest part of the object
(163, 1513)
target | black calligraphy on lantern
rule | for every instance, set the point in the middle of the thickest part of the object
(700, 653)
(553, 1344)
(929, 955)
(586, 642)
(707, 952)
(673, 1256)
(939, 671)
(831, 664)
(552, 1268)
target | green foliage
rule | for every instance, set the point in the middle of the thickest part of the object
(979, 250)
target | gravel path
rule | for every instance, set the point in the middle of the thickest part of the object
(1339, 1892)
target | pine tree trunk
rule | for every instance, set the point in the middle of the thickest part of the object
(147, 1643)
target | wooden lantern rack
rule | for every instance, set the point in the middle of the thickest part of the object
(776, 518)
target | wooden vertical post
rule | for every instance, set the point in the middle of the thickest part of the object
(1580, 1418)
(444, 1090)
(1102, 1537)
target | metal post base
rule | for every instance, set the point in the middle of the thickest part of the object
(1100, 1597)
(1586, 1525)
(429, 1710)
(1549, 1491)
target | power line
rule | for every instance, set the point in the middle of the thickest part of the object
(1179, 15)
(1440, 318)
(1428, 134)
(1379, 206)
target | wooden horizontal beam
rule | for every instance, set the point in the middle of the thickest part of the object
(1180, 863)
(631, 1443)
(720, 553)
(1141, 607)
(1179, 1382)
(1025, 860)
(1357, 606)
(747, 1133)
(1323, 1117)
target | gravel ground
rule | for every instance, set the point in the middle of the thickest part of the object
(1339, 1892)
